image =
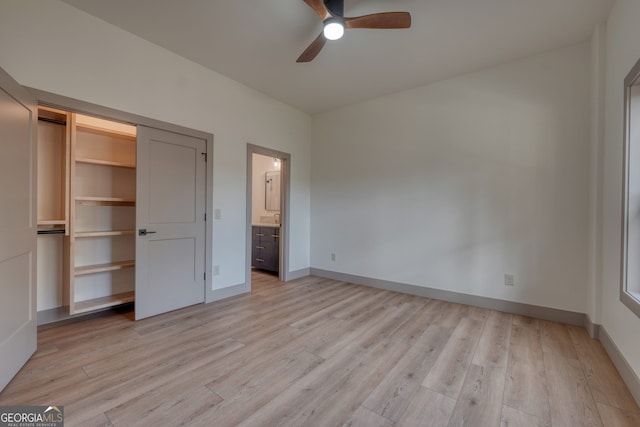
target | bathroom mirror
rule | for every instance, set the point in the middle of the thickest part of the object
(272, 191)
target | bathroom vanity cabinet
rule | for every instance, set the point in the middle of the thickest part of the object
(265, 253)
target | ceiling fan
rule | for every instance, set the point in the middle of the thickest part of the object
(332, 14)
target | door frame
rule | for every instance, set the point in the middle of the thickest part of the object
(77, 106)
(285, 187)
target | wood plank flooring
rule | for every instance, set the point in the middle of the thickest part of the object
(317, 352)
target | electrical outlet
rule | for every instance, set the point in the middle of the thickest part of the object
(216, 270)
(333, 256)
(509, 280)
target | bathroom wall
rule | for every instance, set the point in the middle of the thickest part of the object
(261, 165)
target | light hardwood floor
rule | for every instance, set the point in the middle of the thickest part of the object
(317, 352)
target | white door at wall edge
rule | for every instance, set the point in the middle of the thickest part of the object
(170, 221)
(18, 227)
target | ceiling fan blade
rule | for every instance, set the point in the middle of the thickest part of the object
(319, 7)
(313, 50)
(380, 20)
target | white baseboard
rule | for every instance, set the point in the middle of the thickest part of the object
(620, 362)
(293, 275)
(593, 329)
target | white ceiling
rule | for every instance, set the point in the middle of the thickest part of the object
(257, 42)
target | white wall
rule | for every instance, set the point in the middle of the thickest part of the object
(622, 52)
(51, 46)
(454, 184)
(50, 272)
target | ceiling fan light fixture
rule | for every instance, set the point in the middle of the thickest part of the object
(334, 24)
(333, 29)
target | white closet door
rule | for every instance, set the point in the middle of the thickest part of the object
(18, 117)
(170, 206)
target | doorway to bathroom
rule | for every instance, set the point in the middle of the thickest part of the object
(267, 212)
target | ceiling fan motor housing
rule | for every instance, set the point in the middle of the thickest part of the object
(336, 7)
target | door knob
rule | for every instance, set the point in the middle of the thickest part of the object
(144, 232)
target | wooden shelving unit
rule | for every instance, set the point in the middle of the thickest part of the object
(102, 239)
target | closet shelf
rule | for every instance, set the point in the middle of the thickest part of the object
(104, 302)
(51, 222)
(99, 268)
(100, 130)
(81, 234)
(105, 162)
(105, 201)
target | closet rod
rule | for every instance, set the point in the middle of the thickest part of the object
(57, 122)
(56, 231)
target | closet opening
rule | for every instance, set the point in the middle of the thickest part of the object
(86, 196)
